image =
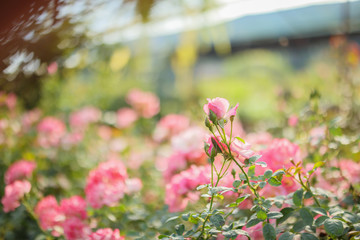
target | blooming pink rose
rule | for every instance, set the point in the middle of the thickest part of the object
(50, 215)
(126, 117)
(13, 193)
(74, 207)
(241, 150)
(50, 132)
(106, 184)
(145, 103)
(76, 229)
(106, 234)
(220, 106)
(19, 170)
(85, 116)
(170, 125)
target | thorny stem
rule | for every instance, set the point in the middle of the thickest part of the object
(309, 190)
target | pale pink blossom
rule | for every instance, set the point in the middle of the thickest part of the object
(52, 68)
(50, 215)
(72, 139)
(85, 116)
(29, 118)
(237, 129)
(293, 120)
(317, 134)
(133, 185)
(350, 170)
(172, 164)
(106, 234)
(74, 206)
(169, 126)
(241, 150)
(190, 143)
(50, 132)
(106, 184)
(126, 117)
(104, 132)
(145, 103)
(259, 140)
(10, 101)
(13, 193)
(19, 170)
(220, 107)
(76, 229)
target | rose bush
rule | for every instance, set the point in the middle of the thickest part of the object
(103, 175)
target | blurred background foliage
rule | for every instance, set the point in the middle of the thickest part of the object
(62, 54)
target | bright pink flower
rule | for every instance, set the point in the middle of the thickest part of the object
(19, 170)
(241, 150)
(50, 215)
(50, 132)
(293, 120)
(106, 234)
(74, 206)
(220, 106)
(106, 184)
(170, 125)
(85, 116)
(76, 229)
(145, 103)
(126, 117)
(13, 193)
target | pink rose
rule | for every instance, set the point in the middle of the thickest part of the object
(126, 117)
(13, 193)
(106, 234)
(293, 120)
(74, 207)
(220, 107)
(76, 229)
(240, 149)
(19, 170)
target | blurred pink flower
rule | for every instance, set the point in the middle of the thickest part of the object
(237, 129)
(220, 106)
(126, 117)
(259, 140)
(146, 104)
(133, 185)
(350, 170)
(104, 132)
(50, 132)
(317, 134)
(29, 118)
(293, 120)
(74, 206)
(13, 193)
(50, 215)
(170, 125)
(52, 68)
(76, 229)
(106, 234)
(106, 184)
(10, 101)
(85, 116)
(71, 139)
(19, 170)
(190, 143)
(171, 165)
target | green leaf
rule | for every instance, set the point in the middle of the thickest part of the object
(180, 228)
(319, 210)
(308, 236)
(274, 182)
(254, 158)
(268, 173)
(278, 173)
(241, 199)
(234, 233)
(252, 222)
(263, 164)
(286, 212)
(269, 232)
(242, 176)
(217, 220)
(297, 197)
(261, 215)
(202, 186)
(240, 139)
(236, 183)
(334, 227)
(308, 195)
(286, 236)
(162, 236)
(251, 171)
(306, 216)
(320, 220)
(171, 219)
(185, 216)
(274, 215)
(262, 184)
(299, 226)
